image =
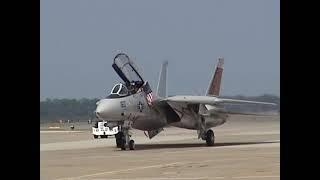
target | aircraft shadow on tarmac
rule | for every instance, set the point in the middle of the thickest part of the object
(192, 145)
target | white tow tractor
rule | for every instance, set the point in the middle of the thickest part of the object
(101, 129)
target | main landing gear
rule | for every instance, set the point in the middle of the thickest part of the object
(208, 136)
(203, 132)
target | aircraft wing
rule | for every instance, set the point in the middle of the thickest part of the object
(237, 101)
(182, 102)
(210, 100)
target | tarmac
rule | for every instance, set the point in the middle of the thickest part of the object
(247, 147)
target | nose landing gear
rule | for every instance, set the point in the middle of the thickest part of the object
(123, 139)
(119, 136)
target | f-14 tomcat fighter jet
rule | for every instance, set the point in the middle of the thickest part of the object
(132, 104)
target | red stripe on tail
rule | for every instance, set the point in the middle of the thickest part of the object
(214, 88)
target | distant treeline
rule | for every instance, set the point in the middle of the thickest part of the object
(53, 110)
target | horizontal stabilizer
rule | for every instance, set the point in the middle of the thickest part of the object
(153, 133)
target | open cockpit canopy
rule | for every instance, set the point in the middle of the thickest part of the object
(127, 71)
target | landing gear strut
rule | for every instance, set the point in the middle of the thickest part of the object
(203, 132)
(123, 139)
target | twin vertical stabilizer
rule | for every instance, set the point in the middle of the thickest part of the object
(162, 84)
(214, 86)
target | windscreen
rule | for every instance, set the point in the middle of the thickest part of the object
(115, 89)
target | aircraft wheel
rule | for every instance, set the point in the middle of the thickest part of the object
(119, 137)
(121, 140)
(210, 138)
(131, 145)
(95, 136)
(118, 141)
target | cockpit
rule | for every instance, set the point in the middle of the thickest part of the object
(118, 91)
(128, 72)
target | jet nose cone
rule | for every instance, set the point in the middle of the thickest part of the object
(100, 111)
(107, 109)
(97, 114)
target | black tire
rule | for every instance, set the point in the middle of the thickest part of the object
(95, 136)
(118, 142)
(119, 137)
(210, 138)
(131, 145)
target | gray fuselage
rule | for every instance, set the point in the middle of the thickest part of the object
(144, 117)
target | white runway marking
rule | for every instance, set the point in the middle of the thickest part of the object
(254, 177)
(275, 143)
(194, 178)
(84, 144)
(45, 132)
(124, 170)
(206, 148)
(146, 167)
(187, 178)
(87, 144)
(255, 133)
(231, 146)
(164, 178)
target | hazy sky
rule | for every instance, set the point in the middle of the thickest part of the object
(79, 39)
